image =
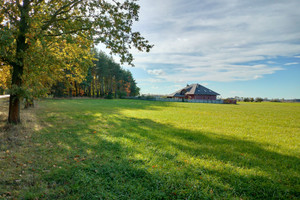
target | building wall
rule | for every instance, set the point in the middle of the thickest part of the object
(205, 97)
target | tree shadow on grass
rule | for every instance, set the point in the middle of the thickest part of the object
(247, 168)
(113, 105)
(131, 158)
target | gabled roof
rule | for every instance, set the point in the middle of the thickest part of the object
(195, 89)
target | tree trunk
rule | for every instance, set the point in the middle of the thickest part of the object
(70, 92)
(89, 91)
(15, 97)
(14, 110)
(93, 88)
(76, 92)
(96, 87)
(18, 66)
(101, 87)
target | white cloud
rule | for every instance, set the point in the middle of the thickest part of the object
(257, 76)
(156, 72)
(177, 86)
(293, 63)
(224, 73)
(217, 40)
(150, 80)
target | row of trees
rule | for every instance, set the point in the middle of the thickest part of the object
(105, 78)
(257, 99)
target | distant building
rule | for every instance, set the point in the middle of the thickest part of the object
(195, 91)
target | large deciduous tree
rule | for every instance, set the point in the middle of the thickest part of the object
(40, 38)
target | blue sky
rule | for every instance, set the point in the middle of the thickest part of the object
(236, 48)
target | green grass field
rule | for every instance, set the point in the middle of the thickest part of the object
(130, 149)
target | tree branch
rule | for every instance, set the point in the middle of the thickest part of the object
(60, 11)
(68, 32)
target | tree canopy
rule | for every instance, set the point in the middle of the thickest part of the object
(41, 39)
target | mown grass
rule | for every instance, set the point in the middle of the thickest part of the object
(129, 149)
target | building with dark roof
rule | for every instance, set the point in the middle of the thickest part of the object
(195, 91)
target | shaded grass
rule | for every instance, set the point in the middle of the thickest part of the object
(126, 149)
(16, 152)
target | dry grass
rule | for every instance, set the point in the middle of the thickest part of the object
(14, 135)
(15, 145)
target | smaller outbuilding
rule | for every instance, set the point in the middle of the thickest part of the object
(195, 91)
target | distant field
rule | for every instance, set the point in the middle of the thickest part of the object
(130, 149)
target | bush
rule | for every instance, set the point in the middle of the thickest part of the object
(275, 100)
(1, 90)
(122, 94)
(258, 99)
(246, 99)
(229, 101)
(109, 96)
(146, 97)
(149, 97)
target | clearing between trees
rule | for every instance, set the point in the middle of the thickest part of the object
(130, 149)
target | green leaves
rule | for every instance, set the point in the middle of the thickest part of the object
(51, 25)
(43, 39)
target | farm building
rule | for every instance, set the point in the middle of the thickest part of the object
(195, 91)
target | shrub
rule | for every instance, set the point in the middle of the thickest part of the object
(146, 97)
(258, 99)
(275, 100)
(229, 101)
(246, 99)
(109, 96)
(122, 94)
(149, 97)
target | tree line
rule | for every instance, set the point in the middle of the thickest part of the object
(105, 79)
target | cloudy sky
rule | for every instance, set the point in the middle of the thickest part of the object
(234, 47)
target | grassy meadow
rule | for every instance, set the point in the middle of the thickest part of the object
(130, 149)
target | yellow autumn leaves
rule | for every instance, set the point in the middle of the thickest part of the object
(4, 76)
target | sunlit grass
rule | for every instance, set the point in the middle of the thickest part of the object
(129, 149)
